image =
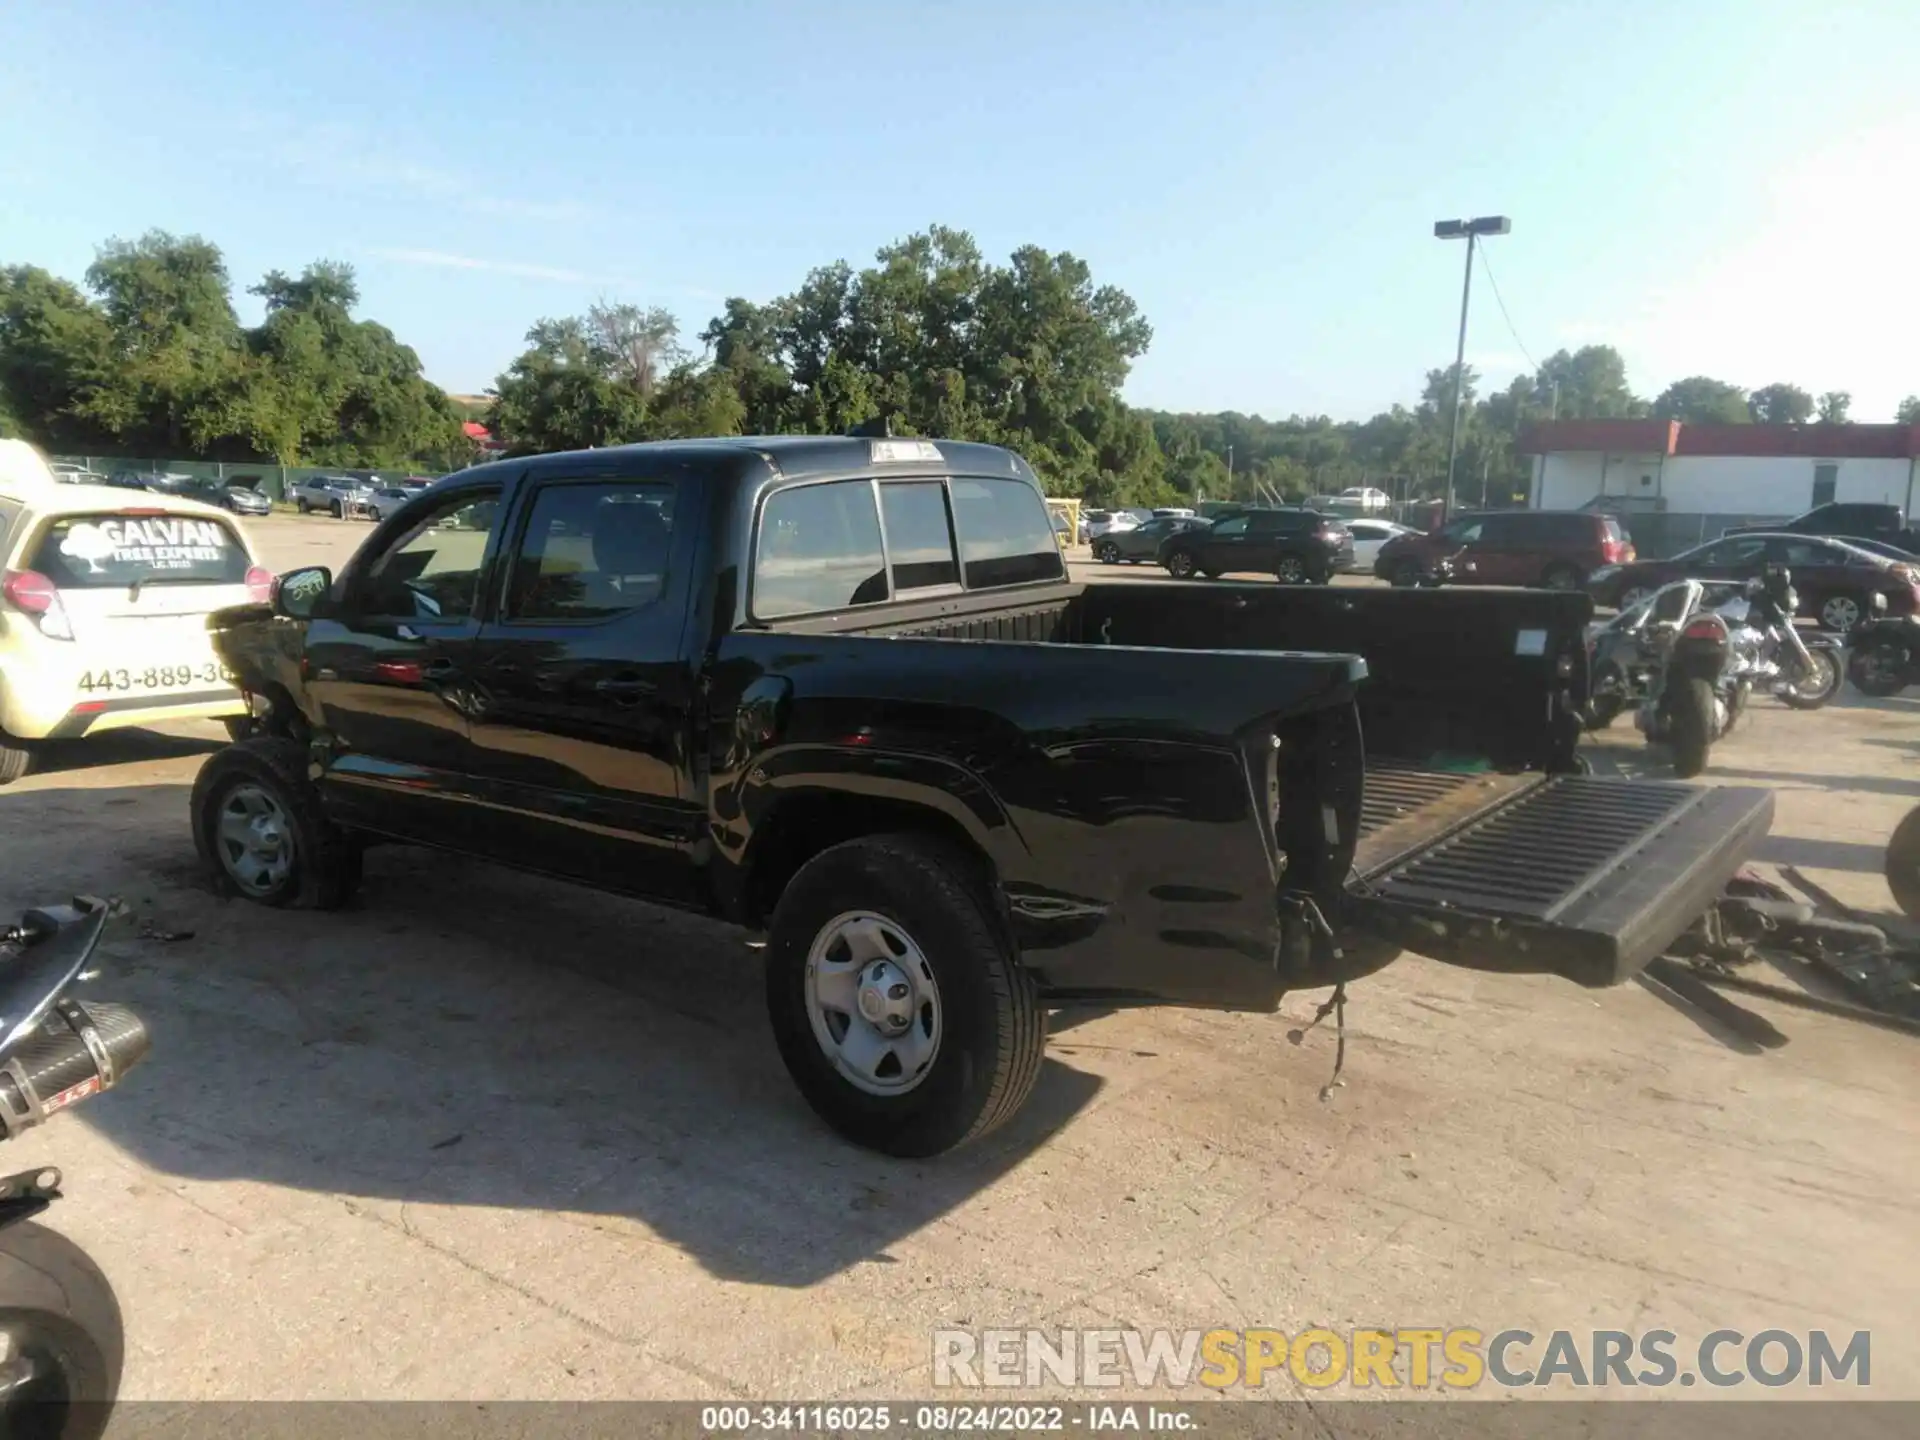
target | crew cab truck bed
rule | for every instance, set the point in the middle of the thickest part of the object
(842, 689)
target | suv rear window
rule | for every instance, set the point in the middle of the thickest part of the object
(113, 551)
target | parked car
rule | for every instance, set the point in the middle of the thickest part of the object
(380, 502)
(1554, 549)
(1368, 538)
(1296, 547)
(1363, 497)
(1143, 541)
(104, 606)
(1836, 581)
(943, 835)
(1106, 522)
(335, 494)
(70, 474)
(241, 499)
(1843, 520)
(1885, 550)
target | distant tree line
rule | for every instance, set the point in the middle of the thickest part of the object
(1032, 353)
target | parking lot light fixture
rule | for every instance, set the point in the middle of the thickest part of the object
(1470, 230)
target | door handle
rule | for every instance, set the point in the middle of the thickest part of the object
(625, 689)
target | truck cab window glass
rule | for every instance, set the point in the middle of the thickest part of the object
(1005, 536)
(819, 549)
(919, 538)
(432, 572)
(592, 551)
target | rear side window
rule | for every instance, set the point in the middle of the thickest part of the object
(1005, 536)
(820, 550)
(111, 551)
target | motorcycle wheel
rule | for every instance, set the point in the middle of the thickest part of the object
(1690, 727)
(1879, 670)
(1817, 687)
(59, 1314)
(1903, 864)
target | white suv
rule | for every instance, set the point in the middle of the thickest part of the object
(104, 599)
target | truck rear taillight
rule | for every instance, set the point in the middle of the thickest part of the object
(259, 585)
(38, 598)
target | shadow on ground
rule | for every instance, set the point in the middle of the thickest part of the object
(469, 1036)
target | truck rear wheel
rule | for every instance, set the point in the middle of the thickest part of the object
(257, 822)
(899, 1006)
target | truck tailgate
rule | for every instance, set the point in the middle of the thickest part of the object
(1572, 875)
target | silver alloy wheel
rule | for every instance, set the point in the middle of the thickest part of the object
(1632, 596)
(254, 837)
(873, 1003)
(1290, 571)
(1840, 612)
(1180, 565)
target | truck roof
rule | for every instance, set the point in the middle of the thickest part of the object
(790, 457)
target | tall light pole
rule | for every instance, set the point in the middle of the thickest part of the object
(1472, 230)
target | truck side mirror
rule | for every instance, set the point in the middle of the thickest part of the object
(301, 594)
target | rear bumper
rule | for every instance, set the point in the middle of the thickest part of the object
(124, 711)
(1584, 878)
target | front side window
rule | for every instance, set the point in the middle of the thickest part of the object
(1729, 552)
(113, 551)
(1005, 536)
(1461, 532)
(820, 550)
(433, 571)
(593, 551)
(919, 538)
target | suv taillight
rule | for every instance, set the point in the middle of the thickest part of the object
(259, 584)
(38, 598)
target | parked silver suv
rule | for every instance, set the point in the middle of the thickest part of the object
(332, 493)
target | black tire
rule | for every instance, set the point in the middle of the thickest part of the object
(337, 510)
(1292, 570)
(301, 505)
(993, 1028)
(15, 759)
(1903, 864)
(1562, 577)
(325, 866)
(1107, 553)
(1689, 725)
(1879, 670)
(1180, 565)
(61, 1312)
(1844, 610)
(240, 727)
(1404, 576)
(1603, 710)
(1816, 692)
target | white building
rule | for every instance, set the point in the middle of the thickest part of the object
(1675, 484)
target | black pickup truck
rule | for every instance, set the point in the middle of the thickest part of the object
(844, 690)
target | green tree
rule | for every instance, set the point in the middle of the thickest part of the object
(1592, 385)
(1908, 412)
(563, 393)
(1702, 400)
(1834, 405)
(55, 348)
(1780, 404)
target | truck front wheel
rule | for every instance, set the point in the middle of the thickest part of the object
(257, 822)
(900, 1009)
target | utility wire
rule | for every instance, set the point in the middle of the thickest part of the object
(1495, 285)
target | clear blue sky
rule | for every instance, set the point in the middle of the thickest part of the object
(1713, 185)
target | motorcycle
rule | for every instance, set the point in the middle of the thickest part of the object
(1886, 652)
(1693, 700)
(1628, 654)
(61, 1340)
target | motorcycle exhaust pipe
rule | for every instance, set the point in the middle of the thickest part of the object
(79, 1050)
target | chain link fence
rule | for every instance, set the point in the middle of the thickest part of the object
(273, 481)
